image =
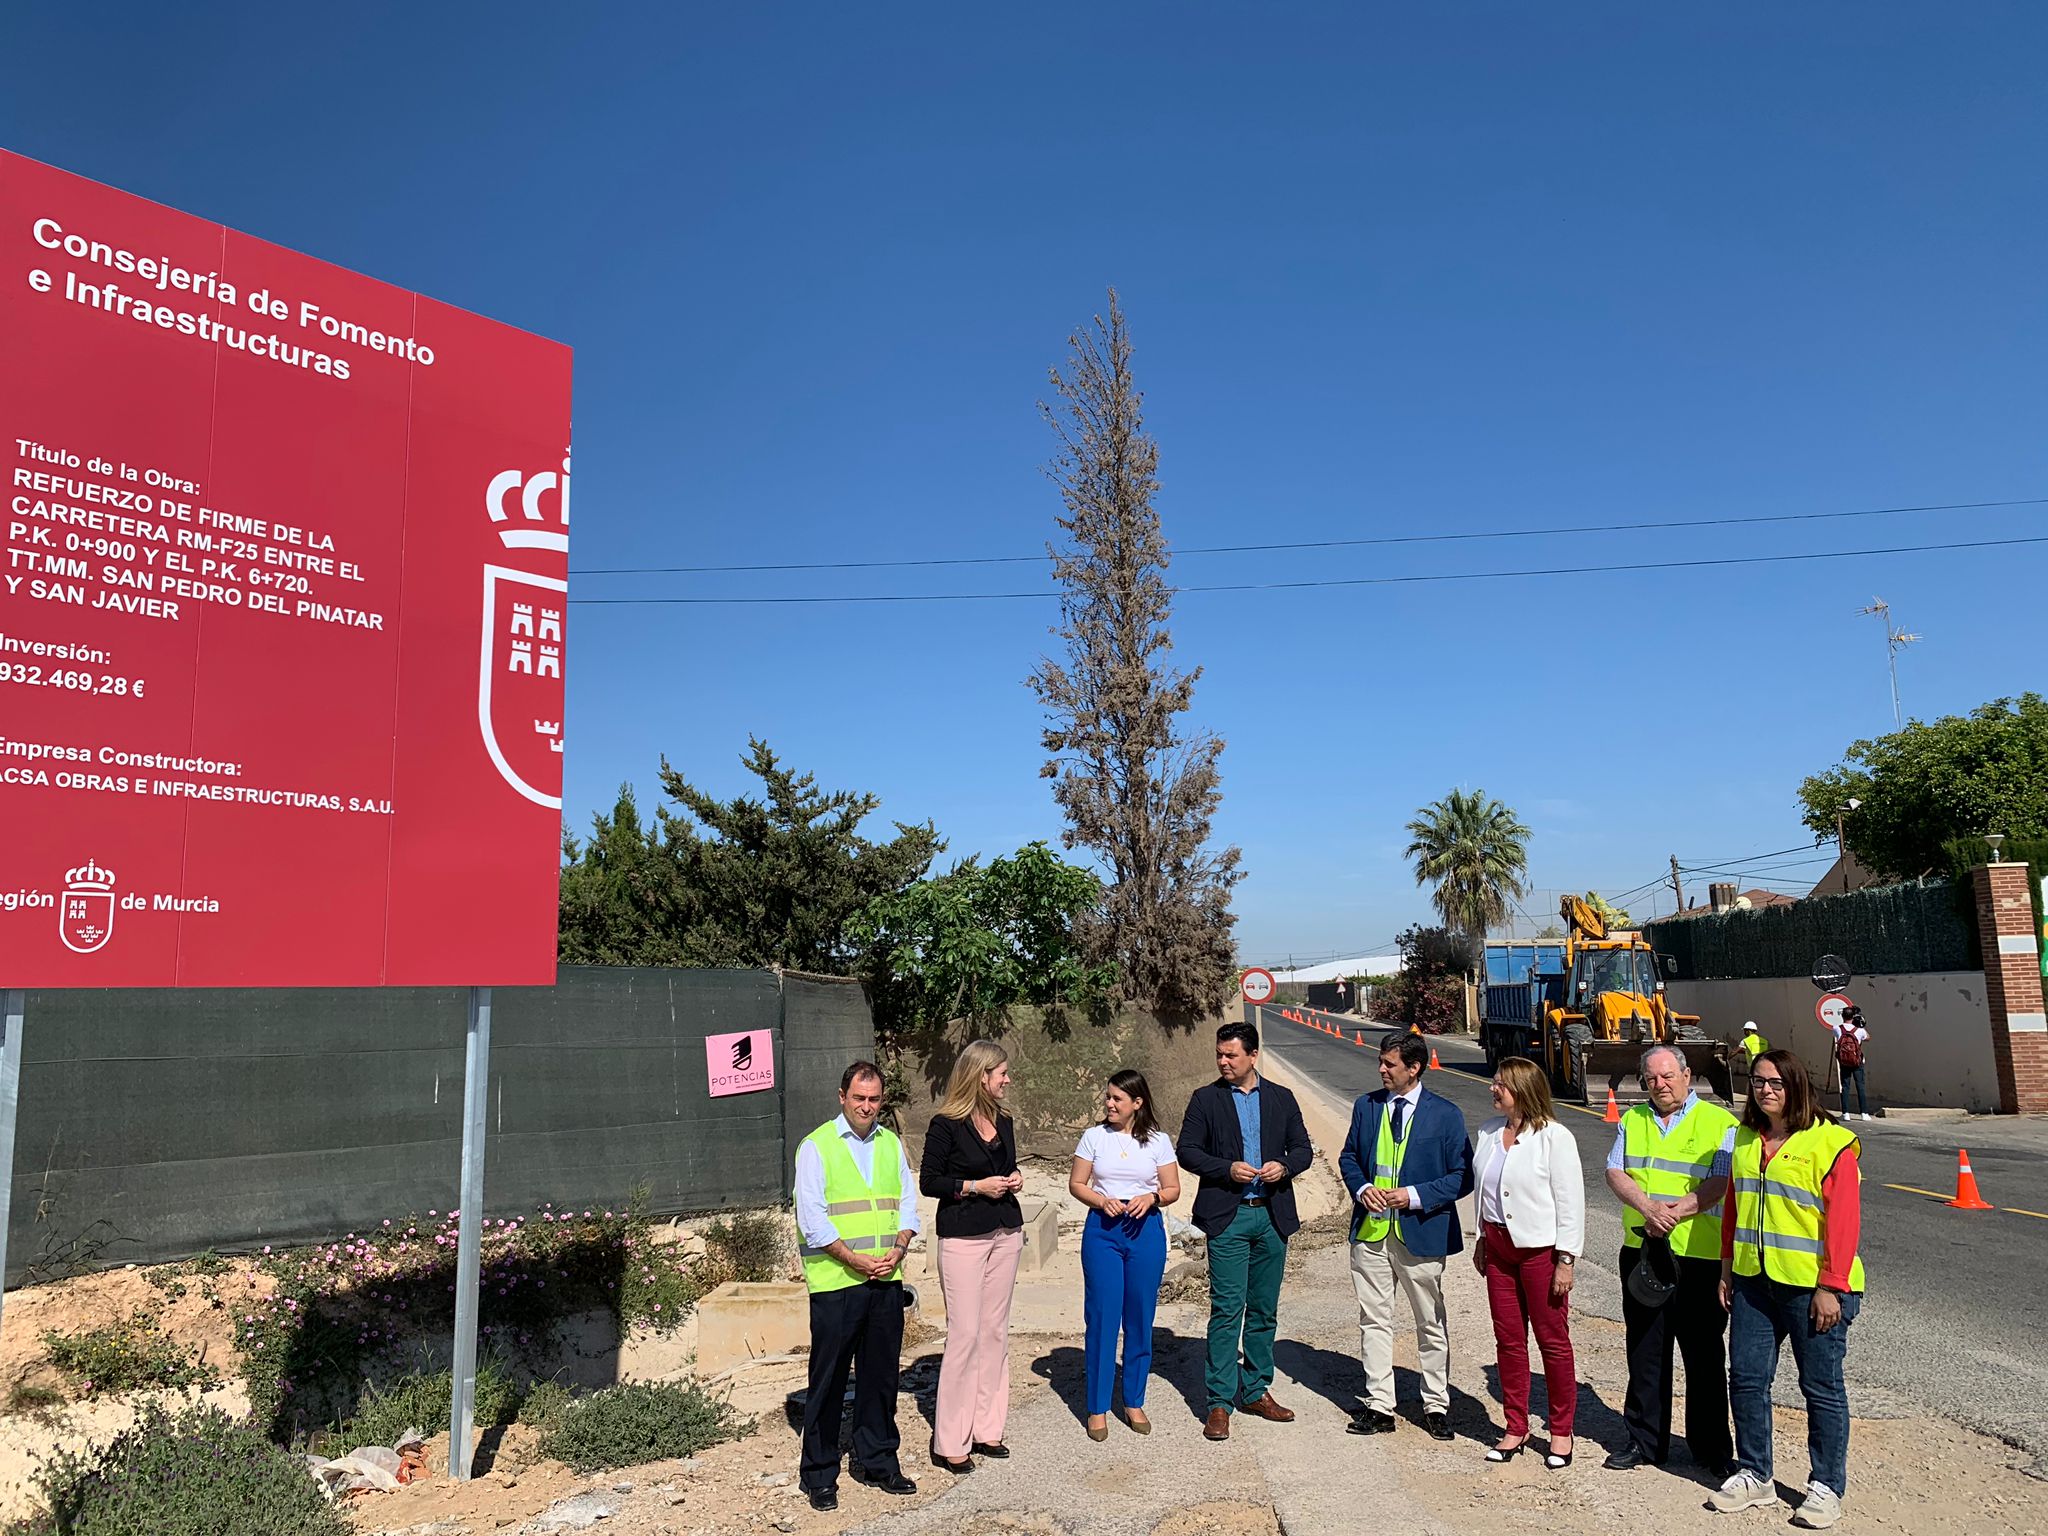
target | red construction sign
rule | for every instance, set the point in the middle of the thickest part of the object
(282, 613)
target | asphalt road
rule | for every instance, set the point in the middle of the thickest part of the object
(1957, 1308)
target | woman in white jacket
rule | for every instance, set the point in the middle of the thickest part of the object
(1532, 1223)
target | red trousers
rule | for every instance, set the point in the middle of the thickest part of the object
(1518, 1295)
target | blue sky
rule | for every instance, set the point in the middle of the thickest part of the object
(1389, 269)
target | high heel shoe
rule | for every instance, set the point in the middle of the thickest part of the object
(1099, 1431)
(958, 1468)
(1553, 1462)
(1139, 1425)
(1508, 1452)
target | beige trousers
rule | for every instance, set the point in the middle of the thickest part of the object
(1376, 1270)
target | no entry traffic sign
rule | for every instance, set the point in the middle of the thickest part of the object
(1257, 986)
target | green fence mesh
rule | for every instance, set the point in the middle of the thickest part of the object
(1883, 931)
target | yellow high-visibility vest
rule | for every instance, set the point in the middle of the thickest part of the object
(1779, 1211)
(1387, 1157)
(1670, 1167)
(864, 1213)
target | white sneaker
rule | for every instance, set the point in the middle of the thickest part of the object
(1819, 1510)
(1745, 1490)
(1866, 1117)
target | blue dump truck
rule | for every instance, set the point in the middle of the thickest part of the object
(1587, 1008)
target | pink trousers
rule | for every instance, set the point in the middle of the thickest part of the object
(978, 1276)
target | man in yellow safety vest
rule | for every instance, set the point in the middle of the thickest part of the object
(1753, 1042)
(856, 1213)
(1669, 1168)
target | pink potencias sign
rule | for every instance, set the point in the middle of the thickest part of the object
(740, 1063)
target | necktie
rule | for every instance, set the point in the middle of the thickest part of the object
(1400, 1117)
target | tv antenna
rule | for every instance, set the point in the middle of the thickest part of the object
(1895, 640)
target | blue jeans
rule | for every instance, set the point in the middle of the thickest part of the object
(1121, 1264)
(1762, 1315)
(1855, 1075)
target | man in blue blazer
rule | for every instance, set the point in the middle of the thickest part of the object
(1243, 1137)
(1407, 1162)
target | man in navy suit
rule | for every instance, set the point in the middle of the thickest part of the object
(1243, 1137)
(1407, 1162)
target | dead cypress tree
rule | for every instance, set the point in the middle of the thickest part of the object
(1138, 787)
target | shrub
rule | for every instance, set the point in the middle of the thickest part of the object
(196, 1473)
(424, 1400)
(750, 1246)
(120, 1356)
(545, 1403)
(640, 1422)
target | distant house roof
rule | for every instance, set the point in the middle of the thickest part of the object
(1754, 898)
(1331, 970)
(1844, 875)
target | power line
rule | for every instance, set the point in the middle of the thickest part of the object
(1350, 581)
(1245, 549)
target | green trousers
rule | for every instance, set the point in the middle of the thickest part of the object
(1246, 1261)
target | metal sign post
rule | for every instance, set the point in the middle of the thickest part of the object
(13, 1005)
(476, 1077)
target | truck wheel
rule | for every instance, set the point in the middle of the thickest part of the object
(1576, 1038)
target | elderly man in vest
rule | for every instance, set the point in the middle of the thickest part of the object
(856, 1212)
(1669, 1168)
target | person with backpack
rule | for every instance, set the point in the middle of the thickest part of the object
(1850, 1040)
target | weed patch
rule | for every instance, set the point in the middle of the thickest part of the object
(121, 1356)
(196, 1473)
(640, 1422)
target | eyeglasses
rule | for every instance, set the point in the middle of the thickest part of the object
(1767, 1085)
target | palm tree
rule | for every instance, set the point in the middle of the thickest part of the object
(1477, 853)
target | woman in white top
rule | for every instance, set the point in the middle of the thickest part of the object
(1125, 1172)
(1532, 1223)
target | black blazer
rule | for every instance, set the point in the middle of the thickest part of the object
(1210, 1142)
(953, 1153)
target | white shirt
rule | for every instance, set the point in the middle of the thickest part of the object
(1489, 1192)
(811, 1220)
(1411, 1098)
(1542, 1191)
(1123, 1169)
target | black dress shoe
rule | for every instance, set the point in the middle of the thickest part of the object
(1371, 1422)
(888, 1482)
(1628, 1458)
(823, 1498)
(996, 1452)
(1439, 1426)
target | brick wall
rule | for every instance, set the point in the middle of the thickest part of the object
(2012, 974)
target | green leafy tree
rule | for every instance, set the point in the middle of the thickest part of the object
(1137, 786)
(1614, 917)
(770, 881)
(1930, 783)
(622, 900)
(1476, 852)
(973, 943)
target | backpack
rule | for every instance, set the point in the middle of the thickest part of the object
(1848, 1049)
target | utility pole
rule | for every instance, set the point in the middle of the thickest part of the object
(1677, 890)
(1895, 640)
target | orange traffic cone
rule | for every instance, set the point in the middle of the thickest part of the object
(1967, 1198)
(1434, 1063)
(1361, 1038)
(1613, 1115)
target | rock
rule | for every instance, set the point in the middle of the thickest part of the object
(577, 1513)
(772, 1479)
(673, 1495)
(785, 1525)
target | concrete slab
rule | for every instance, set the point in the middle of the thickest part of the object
(743, 1320)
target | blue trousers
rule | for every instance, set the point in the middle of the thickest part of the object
(1121, 1264)
(1762, 1317)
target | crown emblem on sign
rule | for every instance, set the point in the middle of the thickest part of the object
(89, 877)
(531, 527)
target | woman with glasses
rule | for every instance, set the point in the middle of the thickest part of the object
(1789, 1270)
(1532, 1229)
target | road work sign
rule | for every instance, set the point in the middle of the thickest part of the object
(283, 569)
